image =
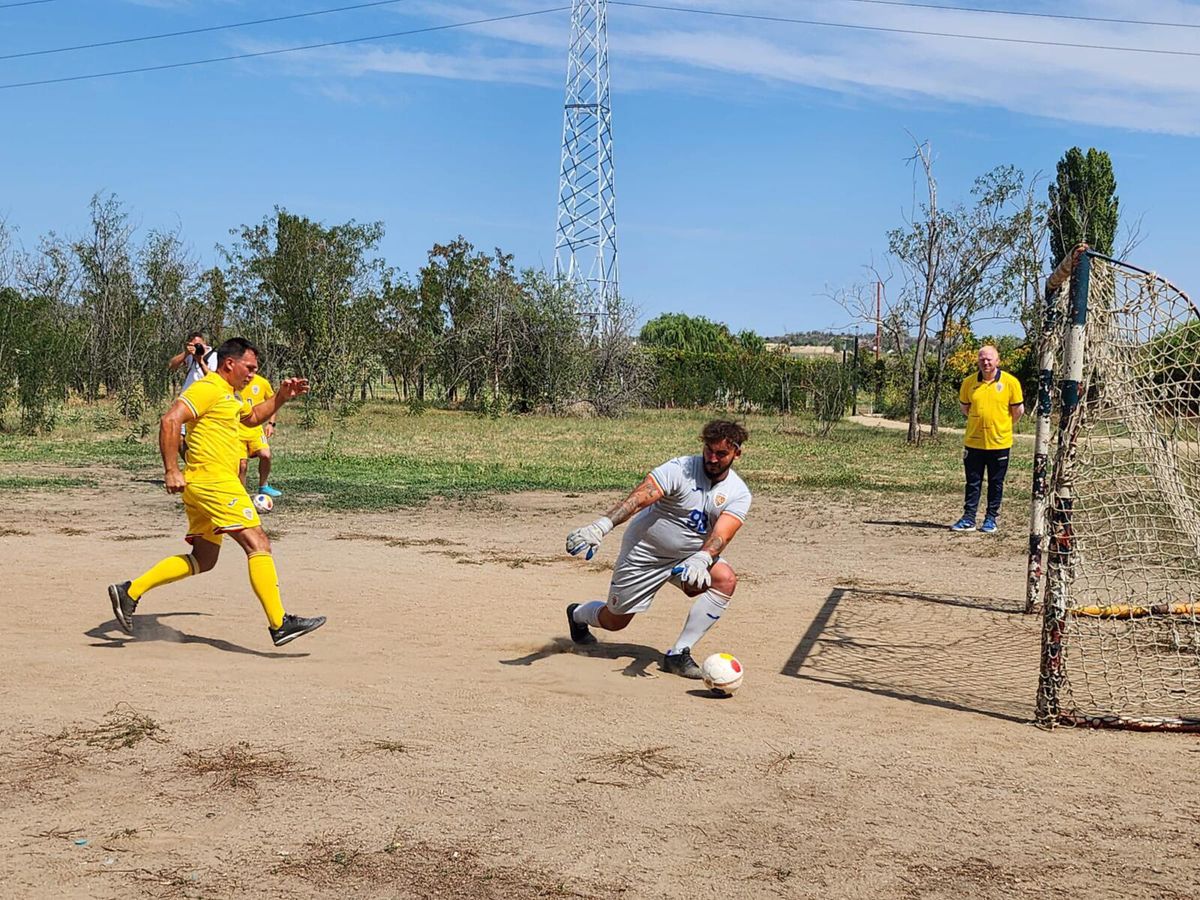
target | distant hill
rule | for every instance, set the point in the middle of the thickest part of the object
(808, 339)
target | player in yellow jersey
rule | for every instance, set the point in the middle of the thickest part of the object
(216, 502)
(254, 440)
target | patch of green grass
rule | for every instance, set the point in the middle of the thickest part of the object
(43, 482)
(384, 457)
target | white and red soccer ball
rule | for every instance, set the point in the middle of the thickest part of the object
(722, 673)
(262, 503)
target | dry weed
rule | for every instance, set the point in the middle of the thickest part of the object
(648, 762)
(779, 762)
(123, 726)
(422, 870)
(42, 759)
(384, 746)
(239, 766)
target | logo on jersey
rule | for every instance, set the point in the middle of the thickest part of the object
(248, 512)
(720, 499)
(255, 389)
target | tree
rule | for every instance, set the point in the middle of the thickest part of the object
(1083, 203)
(309, 296)
(692, 334)
(953, 263)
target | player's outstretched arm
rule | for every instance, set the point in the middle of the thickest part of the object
(289, 389)
(169, 428)
(694, 570)
(589, 536)
(639, 498)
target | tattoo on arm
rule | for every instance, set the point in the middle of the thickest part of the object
(642, 496)
(714, 545)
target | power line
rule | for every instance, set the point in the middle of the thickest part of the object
(1022, 13)
(202, 30)
(24, 3)
(216, 59)
(914, 31)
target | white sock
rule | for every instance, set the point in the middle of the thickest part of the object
(703, 615)
(588, 613)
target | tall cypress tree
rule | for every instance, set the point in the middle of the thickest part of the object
(1083, 202)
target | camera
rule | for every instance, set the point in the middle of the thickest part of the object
(198, 350)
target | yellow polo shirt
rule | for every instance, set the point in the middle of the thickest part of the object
(214, 448)
(258, 390)
(989, 423)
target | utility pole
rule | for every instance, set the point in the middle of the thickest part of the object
(585, 247)
(878, 317)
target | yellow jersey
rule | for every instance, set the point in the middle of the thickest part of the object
(214, 447)
(989, 421)
(258, 390)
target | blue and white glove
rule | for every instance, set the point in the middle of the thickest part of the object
(695, 570)
(588, 537)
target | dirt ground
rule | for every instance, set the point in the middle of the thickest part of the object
(441, 738)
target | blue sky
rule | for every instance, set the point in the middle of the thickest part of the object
(758, 165)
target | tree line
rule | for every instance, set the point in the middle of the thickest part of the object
(99, 314)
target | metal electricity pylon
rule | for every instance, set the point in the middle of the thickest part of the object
(585, 247)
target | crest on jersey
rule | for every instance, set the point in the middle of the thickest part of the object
(255, 389)
(248, 512)
(720, 499)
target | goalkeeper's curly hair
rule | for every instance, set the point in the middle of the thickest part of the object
(723, 430)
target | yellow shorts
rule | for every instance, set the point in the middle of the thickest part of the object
(215, 508)
(250, 446)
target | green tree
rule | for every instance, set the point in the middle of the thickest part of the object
(692, 334)
(309, 296)
(1083, 203)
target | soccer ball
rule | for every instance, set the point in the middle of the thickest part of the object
(263, 503)
(722, 673)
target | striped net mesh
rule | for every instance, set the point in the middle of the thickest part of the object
(1122, 609)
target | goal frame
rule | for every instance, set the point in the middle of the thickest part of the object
(1048, 574)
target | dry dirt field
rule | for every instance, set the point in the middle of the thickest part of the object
(440, 738)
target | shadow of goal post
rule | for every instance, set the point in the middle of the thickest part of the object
(1116, 499)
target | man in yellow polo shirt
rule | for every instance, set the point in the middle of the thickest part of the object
(216, 502)
(254, 440)
(992, 402)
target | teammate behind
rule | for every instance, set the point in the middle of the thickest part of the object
(689, 510)
(254, 440)
(216, 502)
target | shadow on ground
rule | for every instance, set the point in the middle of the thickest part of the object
(968, 654)
(151, 627)
(641, 657)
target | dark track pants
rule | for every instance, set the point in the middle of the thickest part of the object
(975, 463)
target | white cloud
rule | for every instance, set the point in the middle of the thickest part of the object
(660, 50)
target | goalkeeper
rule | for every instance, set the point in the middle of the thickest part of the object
(687, 511)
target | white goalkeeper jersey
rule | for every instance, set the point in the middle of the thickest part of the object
(677, 525)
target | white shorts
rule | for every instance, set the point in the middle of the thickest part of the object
(638, 576)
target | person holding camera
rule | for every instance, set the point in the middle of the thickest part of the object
(200, 359)
(198, 356)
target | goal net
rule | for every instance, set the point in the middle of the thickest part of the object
(1117, 498)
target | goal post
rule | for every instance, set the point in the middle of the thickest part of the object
(1116, 499)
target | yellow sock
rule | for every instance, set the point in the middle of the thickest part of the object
(173, 568)
(265, 581)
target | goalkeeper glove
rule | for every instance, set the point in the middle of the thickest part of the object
(694, 570)
(588, 537)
